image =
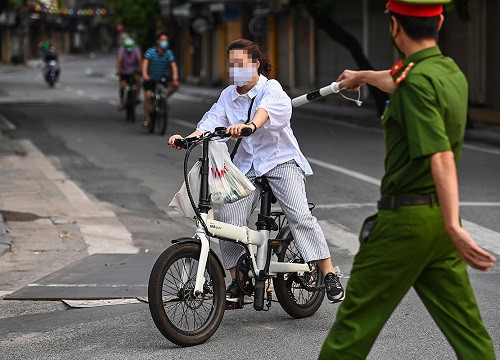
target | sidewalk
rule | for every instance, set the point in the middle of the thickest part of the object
(51, 222)
(486, 128)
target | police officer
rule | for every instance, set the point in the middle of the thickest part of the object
(416, 238)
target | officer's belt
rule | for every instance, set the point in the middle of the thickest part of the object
(394, 202)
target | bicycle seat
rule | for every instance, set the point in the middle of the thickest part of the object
(264, 184)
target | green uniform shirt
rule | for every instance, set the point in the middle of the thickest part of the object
(426, 114)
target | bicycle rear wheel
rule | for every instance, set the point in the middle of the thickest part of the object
(130, 105)
(299, 296)
(181, 317)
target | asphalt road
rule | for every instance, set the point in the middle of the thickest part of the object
(77, 126)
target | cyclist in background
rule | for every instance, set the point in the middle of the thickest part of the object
(154, 65)
(128, 67)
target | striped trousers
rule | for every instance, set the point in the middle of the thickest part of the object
(288, 183)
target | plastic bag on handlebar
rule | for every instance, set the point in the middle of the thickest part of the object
(181, 202)
(227, 183)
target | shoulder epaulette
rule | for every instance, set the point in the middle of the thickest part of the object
(403, 75)
(396, 67)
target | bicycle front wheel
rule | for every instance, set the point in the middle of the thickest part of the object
(181, 317)
(299, 296)
(161, 121)
(153, 118)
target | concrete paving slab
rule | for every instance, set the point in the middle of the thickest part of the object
(99, 276)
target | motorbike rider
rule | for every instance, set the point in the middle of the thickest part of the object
(48, 60)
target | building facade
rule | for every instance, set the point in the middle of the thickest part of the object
(306, 57)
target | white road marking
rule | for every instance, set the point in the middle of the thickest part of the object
(342, 170)
(81, 92)
(344, 206)
(339, 123)
(380, 131)
(486, 238)
(479, 203)
(175, 214)
(340, 236)
(85, 285)
(482, 149)
(97, 303)
(479, 231)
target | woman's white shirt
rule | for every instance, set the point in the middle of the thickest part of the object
(272, 144)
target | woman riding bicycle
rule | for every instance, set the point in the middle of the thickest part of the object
(272, 152)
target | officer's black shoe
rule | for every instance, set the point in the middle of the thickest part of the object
(233, 290)
(333, 288)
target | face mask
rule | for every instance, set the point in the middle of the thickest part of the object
(241, 75)
(393, 41)
(164, 44)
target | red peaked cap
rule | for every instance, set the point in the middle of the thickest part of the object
(404, 8)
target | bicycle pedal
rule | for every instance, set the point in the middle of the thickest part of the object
(233, 305)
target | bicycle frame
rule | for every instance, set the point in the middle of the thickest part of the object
(263, 262)
(159, 93)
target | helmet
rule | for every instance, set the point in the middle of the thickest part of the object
(128, 42)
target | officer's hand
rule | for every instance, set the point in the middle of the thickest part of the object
(470, 252)
(235, 130)
(171, 141)
(351, 80)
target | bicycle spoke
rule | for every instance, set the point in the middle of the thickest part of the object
(185, 311)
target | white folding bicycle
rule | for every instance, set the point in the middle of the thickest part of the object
(187, 287)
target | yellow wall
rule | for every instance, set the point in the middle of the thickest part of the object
(272, 47)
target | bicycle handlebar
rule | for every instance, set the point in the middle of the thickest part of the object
(334, 87)
(246, 132)
(219, 132)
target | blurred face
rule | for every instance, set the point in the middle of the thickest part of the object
(242, 67)
(162, 42)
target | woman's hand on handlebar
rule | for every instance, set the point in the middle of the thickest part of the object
(235, 130)
(172, 140)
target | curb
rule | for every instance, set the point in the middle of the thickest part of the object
(5, 240)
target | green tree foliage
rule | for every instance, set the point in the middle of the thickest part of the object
(9, 4)
(139, 17)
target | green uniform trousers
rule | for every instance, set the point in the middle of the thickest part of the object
(408, 247)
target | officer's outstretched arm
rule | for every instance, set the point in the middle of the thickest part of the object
(444, 172)
(353, 80)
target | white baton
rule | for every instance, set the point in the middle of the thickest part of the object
(334, 87)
